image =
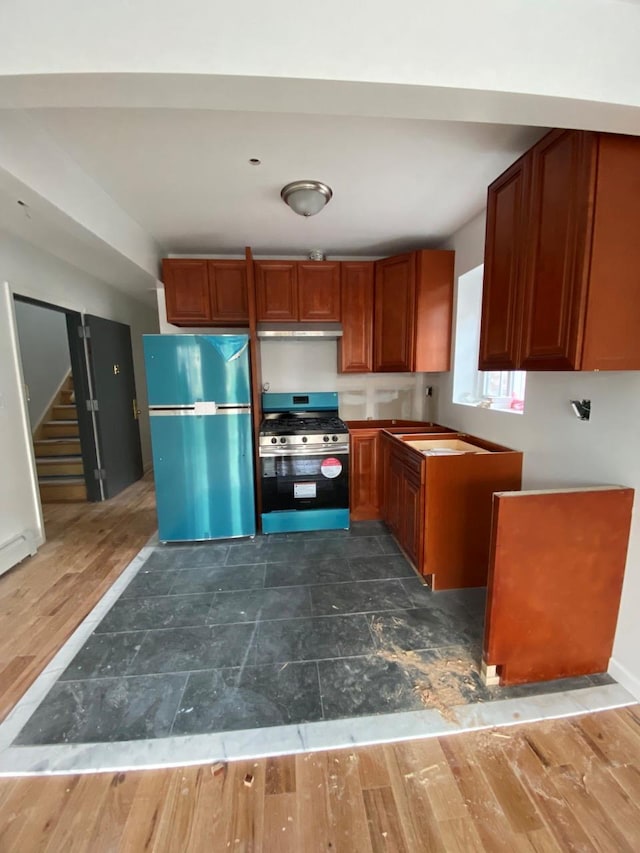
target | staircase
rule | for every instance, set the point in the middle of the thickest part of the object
(57, 449)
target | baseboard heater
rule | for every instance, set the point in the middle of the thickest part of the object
(15, 550)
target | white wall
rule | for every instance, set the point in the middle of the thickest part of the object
(582, 49)
(29, 156)
(44, 352)
(21, 526)
(560, 450)
(312, 366)
(34, 273)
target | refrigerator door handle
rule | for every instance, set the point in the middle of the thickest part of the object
(199, 409)
(232, 409)
(205, 408)
(211, 408)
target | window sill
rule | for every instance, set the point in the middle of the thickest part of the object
(489, 408)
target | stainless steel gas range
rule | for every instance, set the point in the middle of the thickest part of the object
(304, 463)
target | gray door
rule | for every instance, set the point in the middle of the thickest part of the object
(114, 388)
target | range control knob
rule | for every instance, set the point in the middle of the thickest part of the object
(304, 439)
(274, 440)
(335, 438)
(283, 440)
(325, 438)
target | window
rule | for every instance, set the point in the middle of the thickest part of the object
(495, 389)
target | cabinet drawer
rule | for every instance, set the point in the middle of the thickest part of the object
(410, 461)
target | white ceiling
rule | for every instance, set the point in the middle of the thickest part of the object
(184, 176)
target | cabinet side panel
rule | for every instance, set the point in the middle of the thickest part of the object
(557, 567)
(612, 339)
(459, 492)
(256, 380)
(434, 310)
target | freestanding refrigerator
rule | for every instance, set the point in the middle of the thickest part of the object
(200, 413)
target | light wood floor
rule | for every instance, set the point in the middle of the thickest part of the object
(553, 786)
(44, 598)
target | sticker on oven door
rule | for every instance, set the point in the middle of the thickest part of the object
(304, 490)
(331, 468)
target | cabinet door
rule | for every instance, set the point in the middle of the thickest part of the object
(355, 347)
(504, 268)
(228, 291)
(412, 517)
(186, 290)
(395, 286)
(276, 290)
(562, 178)
(364, 475)
(319, 291)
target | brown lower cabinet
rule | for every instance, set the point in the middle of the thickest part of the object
(365, 462)
(438, 508)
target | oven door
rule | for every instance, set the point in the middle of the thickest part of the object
(305, 479)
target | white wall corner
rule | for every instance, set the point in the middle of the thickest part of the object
(624, 677)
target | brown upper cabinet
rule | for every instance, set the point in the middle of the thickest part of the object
(503, 268)
(205, 293)
(561, 282)
(319, 291)
(413, 311)
(355, 347)
(298, 290)
(186, 290)
(228, 291)
(395, 313)
(276, 290)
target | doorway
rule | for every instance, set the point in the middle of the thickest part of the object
(50, 395)
(81, 394)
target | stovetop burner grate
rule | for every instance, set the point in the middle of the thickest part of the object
(288, 424)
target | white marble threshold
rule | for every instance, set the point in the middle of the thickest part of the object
(307, 737)
(274, 740)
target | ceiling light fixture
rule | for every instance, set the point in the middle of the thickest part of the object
(306, 197)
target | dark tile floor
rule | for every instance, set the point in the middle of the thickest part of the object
(283, 629)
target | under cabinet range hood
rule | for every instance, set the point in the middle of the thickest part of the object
(302, 331)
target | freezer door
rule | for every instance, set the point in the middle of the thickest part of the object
(203, 470)
(186, 369)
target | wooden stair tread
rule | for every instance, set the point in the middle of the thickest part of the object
(57, 450)
(62, 490)
(57, 460)
(62, 479)
(58, 440)
(46, 448)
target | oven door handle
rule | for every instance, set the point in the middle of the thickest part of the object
(303, 451)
